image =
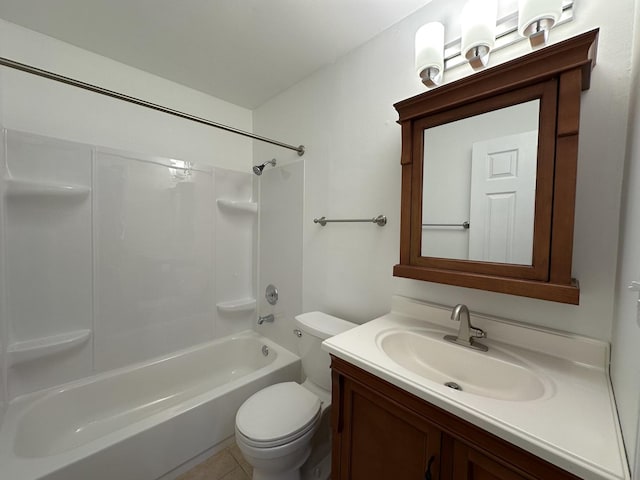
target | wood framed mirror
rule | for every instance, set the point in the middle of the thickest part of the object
(489, 167)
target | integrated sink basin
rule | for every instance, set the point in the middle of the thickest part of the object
(495, 374)
(544, 391)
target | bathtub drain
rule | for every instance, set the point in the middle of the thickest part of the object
(453, 385)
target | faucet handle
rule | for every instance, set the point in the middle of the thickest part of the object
(477, 332)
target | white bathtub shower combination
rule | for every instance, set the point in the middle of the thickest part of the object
(139, 422)
(127, 301)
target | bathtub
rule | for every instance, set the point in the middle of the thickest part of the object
(142, 421)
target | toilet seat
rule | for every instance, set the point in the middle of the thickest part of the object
(277, 415)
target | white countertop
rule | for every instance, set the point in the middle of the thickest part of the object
(574, 425)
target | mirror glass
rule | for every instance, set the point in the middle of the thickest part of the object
(479, 180)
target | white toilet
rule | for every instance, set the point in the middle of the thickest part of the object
(275, 426)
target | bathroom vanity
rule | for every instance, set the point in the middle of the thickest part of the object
(537, 405)
(384, 432)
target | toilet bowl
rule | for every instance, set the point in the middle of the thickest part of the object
(275, 426)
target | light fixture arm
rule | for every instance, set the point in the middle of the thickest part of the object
(506, 35)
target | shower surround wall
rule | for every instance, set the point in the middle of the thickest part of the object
(281, 195)
(40, 106)
(112, 258)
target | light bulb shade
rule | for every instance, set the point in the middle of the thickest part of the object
(478, 28)
(531, 11)
(430, 50)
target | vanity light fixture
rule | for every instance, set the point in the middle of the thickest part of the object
(536, 18)
(478, 31)
(430, 53)
(533, 20)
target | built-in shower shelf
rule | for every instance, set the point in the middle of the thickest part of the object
(251, 207)
(239, 305)
(29, 350)
(30, 188)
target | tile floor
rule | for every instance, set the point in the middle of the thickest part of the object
(225, 465)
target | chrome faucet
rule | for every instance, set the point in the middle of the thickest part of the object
(266, 319)
(467, 333)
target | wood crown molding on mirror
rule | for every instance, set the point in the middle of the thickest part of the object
(555, 76)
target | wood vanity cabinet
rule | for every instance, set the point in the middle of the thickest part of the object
(382, 432)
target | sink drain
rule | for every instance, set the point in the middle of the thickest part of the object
(453, 385)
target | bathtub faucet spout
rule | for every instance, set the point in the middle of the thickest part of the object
(266, 318)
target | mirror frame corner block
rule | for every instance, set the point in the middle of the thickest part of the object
(559, 72)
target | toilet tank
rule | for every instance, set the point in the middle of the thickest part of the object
(317, 327)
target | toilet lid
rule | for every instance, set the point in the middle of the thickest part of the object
(277, 414)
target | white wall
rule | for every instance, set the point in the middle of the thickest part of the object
(45, 107)
(345, 117)
(625, 360)
(3, 327)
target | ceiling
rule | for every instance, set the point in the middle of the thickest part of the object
(242, 51)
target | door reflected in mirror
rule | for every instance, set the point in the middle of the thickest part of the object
(479, 186)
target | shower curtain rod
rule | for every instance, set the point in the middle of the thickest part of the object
(6, 62)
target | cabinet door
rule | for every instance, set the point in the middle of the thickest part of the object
(471, 464)
(383, 433)
(381, 439)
